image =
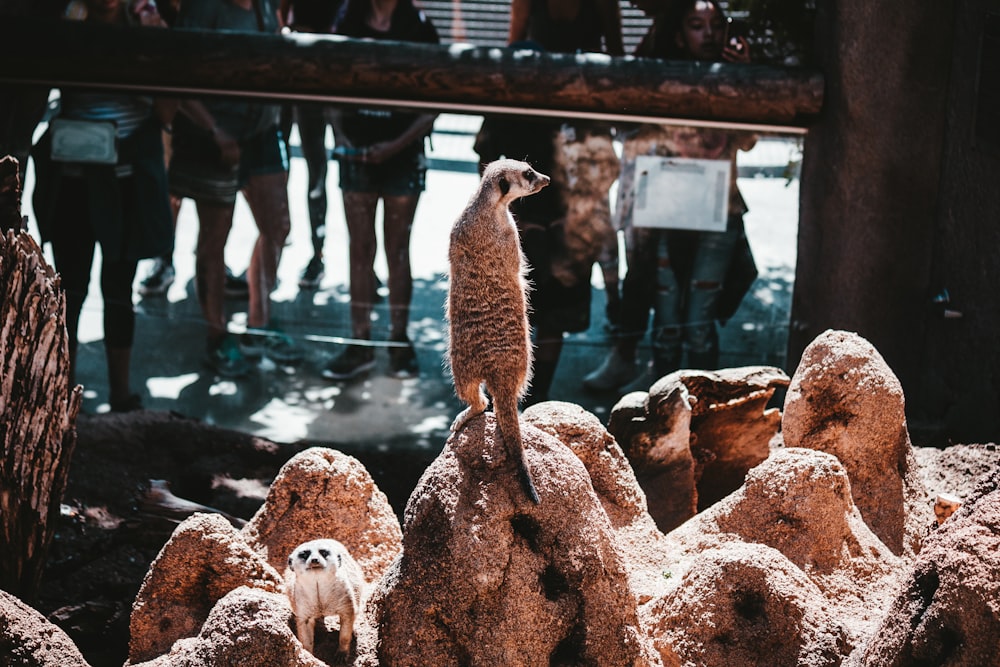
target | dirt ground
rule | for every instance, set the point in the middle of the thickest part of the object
(107, 535)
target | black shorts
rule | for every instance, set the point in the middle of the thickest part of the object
(197, 170)
(404, 174)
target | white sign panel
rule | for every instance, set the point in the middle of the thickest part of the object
(681, 193)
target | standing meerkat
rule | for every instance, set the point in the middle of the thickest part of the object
(489, 337)
(322, 579)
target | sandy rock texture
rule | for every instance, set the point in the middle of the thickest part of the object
(695, 434)
(27, 639)
(949, 612)
(177, 615)
(487, 578)
(845, 400)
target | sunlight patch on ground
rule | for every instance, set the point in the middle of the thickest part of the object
(242, 488)
(223, 388)
(170, 387)
(430, 425)
(282, 421)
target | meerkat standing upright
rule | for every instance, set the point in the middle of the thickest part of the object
(322, 579)
(489, 337)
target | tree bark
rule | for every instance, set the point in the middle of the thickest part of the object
(38, 410)
(459, 77)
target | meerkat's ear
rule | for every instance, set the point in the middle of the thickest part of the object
(340, 562)
(504, 185)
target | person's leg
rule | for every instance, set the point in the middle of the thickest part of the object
(666, 335)
(701, 337)
(312, 135)
(119, 330)
(214, 223)
(267, 197)
(548, 346)
(397, 224)
(359, 212)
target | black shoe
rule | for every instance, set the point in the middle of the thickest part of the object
(236, 286)
(312, 275)
(353, 361)
(130, 403)
(403, 360)
(159, 279)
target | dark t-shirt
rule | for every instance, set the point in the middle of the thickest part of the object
(365, 127)
(240, 119)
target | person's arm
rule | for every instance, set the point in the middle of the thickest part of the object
(229, 148)
(384, 150)
(520, 11)
(610, 13)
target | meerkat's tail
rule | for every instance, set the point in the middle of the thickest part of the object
(510, 430)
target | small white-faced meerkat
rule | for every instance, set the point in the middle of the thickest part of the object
(489, 337)
(322, 579)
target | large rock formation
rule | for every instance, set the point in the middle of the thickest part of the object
(798, 503)
(845, 400)
(949, 613)
(318, 493)
(696, 434)
(487, 578)
(27, 639)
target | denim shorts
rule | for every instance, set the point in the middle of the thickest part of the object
(197, 170)
(404, 174)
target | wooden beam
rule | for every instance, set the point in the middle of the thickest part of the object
(457, 77)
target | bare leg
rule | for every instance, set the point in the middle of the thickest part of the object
(267, 196)
(359, 210)
(399, 213)
(214, 223)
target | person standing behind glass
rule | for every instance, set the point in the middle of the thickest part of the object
(120, 203)
(680, 274)
(317, 17)
(381, 157)
(222, 147)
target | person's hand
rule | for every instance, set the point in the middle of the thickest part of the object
(378, 153)
(737, 50)
(147, 14)
(229, 148)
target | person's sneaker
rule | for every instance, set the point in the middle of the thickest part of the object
(312, 275)
(130, 403)
(353, 361)
(159, 279)
(236, 286)
(226, 360)
(613, 373)
(403, 360)
(273, 344)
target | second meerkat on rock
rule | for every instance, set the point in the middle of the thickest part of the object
(489, 336)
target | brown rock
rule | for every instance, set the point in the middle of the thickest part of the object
(248, 626)
(948, 613)
(488, 578)
(27, 639)
(641, 544)
(203, 560)
(746, 605)
(696, 435)
(845, 400)
(323, 493)
(798, 502)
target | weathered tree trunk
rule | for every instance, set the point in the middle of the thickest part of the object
(38, 407)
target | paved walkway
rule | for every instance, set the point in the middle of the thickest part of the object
(289, 404)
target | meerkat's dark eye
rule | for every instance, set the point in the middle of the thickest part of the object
(325, 553)
(304, 555)
(529, 175)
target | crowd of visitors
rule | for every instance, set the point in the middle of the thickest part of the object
(212, 150)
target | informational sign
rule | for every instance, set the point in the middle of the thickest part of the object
(681, 193)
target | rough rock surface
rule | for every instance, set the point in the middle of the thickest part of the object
(845, 400)
(322, 493)
(488, 578)
(798, 503)
(203, 560)
(746, 605)
(248, 626)
(948, 615)
(641, 544)
(27, 639)
(695, 436)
